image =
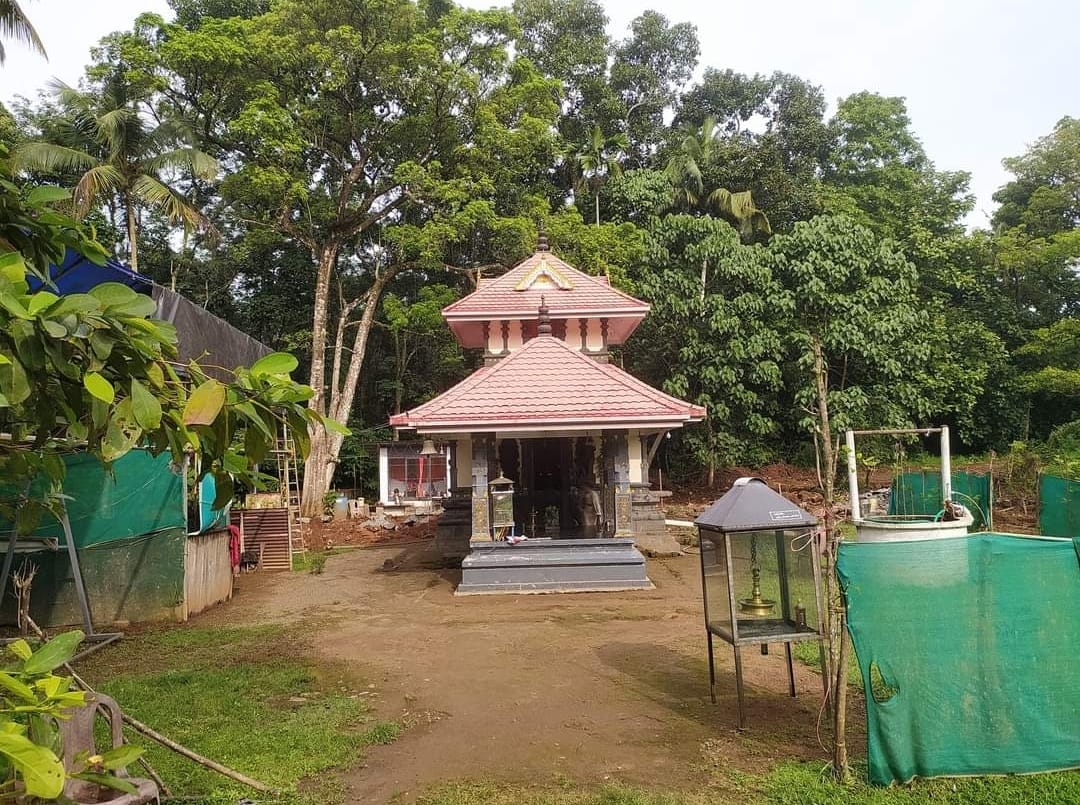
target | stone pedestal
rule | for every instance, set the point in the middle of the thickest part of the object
(650, 534)
(455, 525)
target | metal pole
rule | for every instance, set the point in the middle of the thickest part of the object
(738, 687)
(76, 571)
(790, 669)
(853, 478)
(6, 572)
(897, 431)
(946, 466)
(712, 668)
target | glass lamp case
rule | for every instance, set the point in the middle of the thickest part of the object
(760, 576)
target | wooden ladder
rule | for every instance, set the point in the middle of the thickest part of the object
(285, 453)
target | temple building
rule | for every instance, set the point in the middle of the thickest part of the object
(548, 440)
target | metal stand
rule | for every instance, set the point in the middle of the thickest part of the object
(76, 573)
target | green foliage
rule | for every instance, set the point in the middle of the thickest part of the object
(93, 372)
(33, 698)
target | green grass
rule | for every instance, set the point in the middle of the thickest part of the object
(788, 784)
(250, 698)
(808, 784)
(313, 561)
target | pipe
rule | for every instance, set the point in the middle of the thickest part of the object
(853, 478)
(946, 466)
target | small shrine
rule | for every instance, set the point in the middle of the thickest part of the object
(549, 444)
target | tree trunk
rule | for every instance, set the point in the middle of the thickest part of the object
(316, 477)
(325, 447)
(598, 206)
(132, 233)
(834, 609)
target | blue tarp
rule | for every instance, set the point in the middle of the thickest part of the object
(78, 275)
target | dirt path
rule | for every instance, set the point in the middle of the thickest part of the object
(590, 687)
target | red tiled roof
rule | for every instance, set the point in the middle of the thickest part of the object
(501, 296)
(548, 384)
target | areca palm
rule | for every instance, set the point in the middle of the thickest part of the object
(596, 160)
(15, 25)
(699, 149)
(119, 154)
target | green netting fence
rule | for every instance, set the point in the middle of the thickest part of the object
(919, 492)
(1059, 507)
(968, 651)
(141, 495)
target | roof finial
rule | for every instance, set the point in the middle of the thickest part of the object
(542, 242)
(544, 318)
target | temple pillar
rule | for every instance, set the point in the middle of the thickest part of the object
(483, 449)
(617, 501)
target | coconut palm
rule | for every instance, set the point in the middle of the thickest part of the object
(119, 155)
(699, 149)
(15, 25)
(597, 159)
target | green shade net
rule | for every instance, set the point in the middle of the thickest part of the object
(920, 493)
(142, 494)
(1059, 507)
(969, 650)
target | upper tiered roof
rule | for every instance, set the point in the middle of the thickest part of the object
(570, 293)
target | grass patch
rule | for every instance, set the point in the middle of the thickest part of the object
(809, 654)
(807, 784)
(251, 698)
(493, 794)
(313, 561)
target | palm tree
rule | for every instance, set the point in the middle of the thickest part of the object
(15, 25)
(698, 150)
(120, 153)
(596, 160)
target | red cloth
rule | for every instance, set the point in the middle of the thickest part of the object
(234, 546)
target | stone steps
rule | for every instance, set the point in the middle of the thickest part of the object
(553, 565)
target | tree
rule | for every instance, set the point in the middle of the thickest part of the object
(122, 156)
(417, 329)
(390, 137)
(772, 137)
(595, 161)
(856, 329)
(687, 168)
(648, 70)
(718, 344)
(14, 24)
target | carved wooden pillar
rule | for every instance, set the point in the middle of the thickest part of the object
(482, 449)
(583, 327)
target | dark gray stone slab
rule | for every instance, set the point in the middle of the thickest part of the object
(553, 565)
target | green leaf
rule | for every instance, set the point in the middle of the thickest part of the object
(13, 267)
(98, 386)
(13, 685)
(13, 306)
(47, 194)
(111, 294)
(40, 301)
(276, 363)
(54, 653)
(121, 756)
(224, 490)
(21, 649)
(333, 426)
(41, 771)
(54, 328)
(204, 404)
(145, 406)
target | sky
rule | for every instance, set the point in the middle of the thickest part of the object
(983, 79)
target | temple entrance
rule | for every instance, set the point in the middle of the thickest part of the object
(556, 488)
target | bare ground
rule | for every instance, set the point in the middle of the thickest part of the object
(593, 688)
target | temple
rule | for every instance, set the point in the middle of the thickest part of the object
(548, 440)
